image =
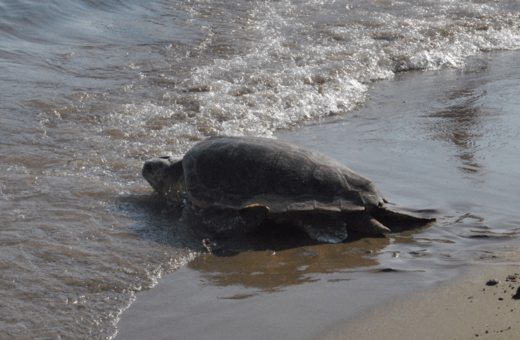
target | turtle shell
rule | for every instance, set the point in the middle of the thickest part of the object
(238, 172)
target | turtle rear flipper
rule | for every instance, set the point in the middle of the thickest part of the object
(365, 223)
(385, 214)
(398, 221)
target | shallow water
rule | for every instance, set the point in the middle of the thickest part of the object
(442, 143)
(90, 89)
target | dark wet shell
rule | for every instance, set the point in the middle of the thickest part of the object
(237, 172)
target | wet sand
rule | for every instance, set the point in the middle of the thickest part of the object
(180, 307)
(265, 295)
(464, 308)
(437, 132)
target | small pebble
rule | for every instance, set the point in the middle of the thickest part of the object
(517, 295)
(492, 282)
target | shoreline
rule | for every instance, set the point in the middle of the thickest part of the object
(465, 307)
(402, 283)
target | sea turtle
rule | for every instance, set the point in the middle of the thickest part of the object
(231, 184)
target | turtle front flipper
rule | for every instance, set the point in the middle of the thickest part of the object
(323, 229)
(210, 222)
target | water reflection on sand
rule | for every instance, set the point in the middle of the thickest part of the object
(273, 270)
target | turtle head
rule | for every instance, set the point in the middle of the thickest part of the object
(166, 175)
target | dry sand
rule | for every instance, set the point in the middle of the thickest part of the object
(463, 308)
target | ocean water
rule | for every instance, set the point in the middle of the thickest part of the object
(90, 89)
